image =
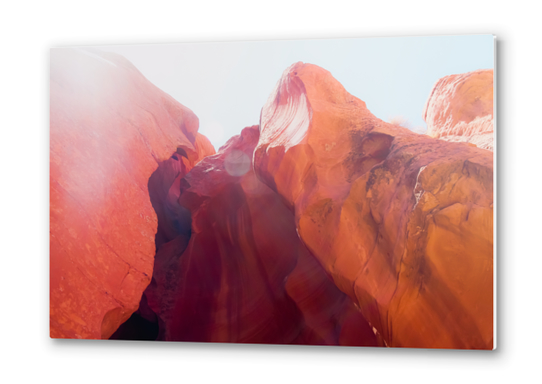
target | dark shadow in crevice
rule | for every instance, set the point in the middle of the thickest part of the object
(136, 328)
(174, 221)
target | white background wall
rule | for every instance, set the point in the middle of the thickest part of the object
(29, 29)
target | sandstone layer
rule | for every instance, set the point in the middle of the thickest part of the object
(110, 128)
(403, 223)
(236, 271)
(460, 109)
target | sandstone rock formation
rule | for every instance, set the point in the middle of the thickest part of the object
(323, 225)
(403, 223)
(110, 129)
(460, 108)
(235, 269)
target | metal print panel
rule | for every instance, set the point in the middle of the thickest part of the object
(317, 192)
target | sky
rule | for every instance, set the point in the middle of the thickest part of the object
(226, 84)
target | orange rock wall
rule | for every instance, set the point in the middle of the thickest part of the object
(460, 109)
(403, 223)
(109, 130)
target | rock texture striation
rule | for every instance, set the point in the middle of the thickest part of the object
(236, 270)
(460, 109)
(403, 223)
(110, 130)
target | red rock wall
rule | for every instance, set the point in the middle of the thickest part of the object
(403, 223)
(110, 129)
(460, 109)
(243, 275)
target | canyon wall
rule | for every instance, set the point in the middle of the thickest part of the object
(460, 109)
(322, 225)
(403, 223)
(110, 128)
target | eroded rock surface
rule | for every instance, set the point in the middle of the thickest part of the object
(110, 129)
(460, 109)
(238, 271)
(324, 225)
(403, 223)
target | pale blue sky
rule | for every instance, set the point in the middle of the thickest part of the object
(226, 84)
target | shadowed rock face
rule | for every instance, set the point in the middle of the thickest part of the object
(110, 129)
(403, 223)
(243, 275)
(460, 109)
